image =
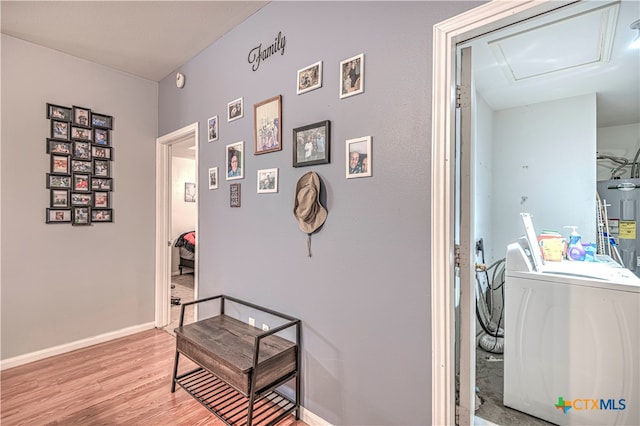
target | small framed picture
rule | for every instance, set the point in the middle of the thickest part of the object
(102, 152)
(81, 182)
(81, 150)
(101, 199)
(352, 76)
(267, 126)
(81, 215)
(58, 215)
(212, 128)
(189, 192)
(60, 130)
(81, 134)
(234, 195)
(80, 199)
(309, 78)
(57, 112)
(358, 157)
(58, 147)
(101, 215)
(59, 198)
(235, 109)
(81, 116)
(79, 166)
(60, 164)
(235, 160)
(101, 120)
(101, 167)
(311, 144)
(100, 136)
(57, 181)
(102, 184)
(213, 178)
(267, 181)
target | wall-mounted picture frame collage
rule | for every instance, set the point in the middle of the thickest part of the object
(79, 178)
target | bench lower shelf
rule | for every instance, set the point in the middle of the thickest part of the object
(231, 406)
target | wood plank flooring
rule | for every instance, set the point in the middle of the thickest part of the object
(126, 381)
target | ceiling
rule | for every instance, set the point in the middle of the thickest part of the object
(151, 39)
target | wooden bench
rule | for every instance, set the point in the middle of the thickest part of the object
(240, 366)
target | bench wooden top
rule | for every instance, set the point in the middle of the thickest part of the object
(232, 341)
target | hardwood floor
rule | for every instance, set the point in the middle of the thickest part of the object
(123, 382)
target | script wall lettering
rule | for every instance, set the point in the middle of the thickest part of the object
(258, 54)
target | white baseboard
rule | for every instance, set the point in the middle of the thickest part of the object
(311, 419)
(68, 347)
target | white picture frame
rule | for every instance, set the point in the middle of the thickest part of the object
(212, 128)
(309, 78)
(358, 157)
(235, 171)
(267, 182)
(213, 178)
(352, 76)
(235, 109)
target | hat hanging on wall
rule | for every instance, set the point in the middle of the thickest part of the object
(307, 208)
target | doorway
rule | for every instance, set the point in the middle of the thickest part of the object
(184, 143)
(451, 260)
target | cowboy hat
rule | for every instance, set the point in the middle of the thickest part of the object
(307, 209)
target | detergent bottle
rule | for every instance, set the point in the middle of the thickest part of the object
(575, 250)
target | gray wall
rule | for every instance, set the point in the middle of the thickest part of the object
(61, 283)
(364, 296)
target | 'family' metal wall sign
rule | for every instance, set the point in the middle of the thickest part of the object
(257, 54)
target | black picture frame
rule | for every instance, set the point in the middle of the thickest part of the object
(81, 199)
(59, 198)
(81, 216)
(101, 168)
(58, 216)
(81, 133)
(102, 152)
(81, 150)
(311, 144)
(81, 182)
(234, 195)
(58, 112)
(60, 130)
(102, 121)
(58, 147)
(101, 184)
(101, 136)
(58, 181)
(60, 164)
(81, 116)
(101, 215)
(81, 166)
(101, 199)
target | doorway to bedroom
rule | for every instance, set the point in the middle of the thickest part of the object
(176, 226)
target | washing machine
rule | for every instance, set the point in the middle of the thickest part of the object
(572, 338)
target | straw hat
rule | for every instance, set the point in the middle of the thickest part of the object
(307, 209)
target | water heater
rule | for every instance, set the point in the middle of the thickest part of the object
(621, 197)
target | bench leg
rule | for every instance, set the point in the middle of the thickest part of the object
(175, 372)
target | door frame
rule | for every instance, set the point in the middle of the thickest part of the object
(446, 35)
(163, 220)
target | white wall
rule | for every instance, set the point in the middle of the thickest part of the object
(183, 214)
(617, 141)
(544, 164)
(483, 187)
(63, 283)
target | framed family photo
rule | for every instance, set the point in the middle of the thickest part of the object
(235, 110)
(101, 120)
(60, 198)
(57, 112)
(60, 130)
(100, 136)
(267, 127)
(212, 129)
(60, 164)
(80, 199)
(81, 215)
(311, 144)
(56, 181)
(58, 147)
(235, 161)
(267, 181)
(189, 192)
(101, 199)
(309, 78)
(213, 178)
(358, 157)
(101, 215)
(58, 215)
(352, 76)
(80, 133)
(81, 116)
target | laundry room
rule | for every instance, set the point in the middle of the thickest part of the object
(555, 134)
